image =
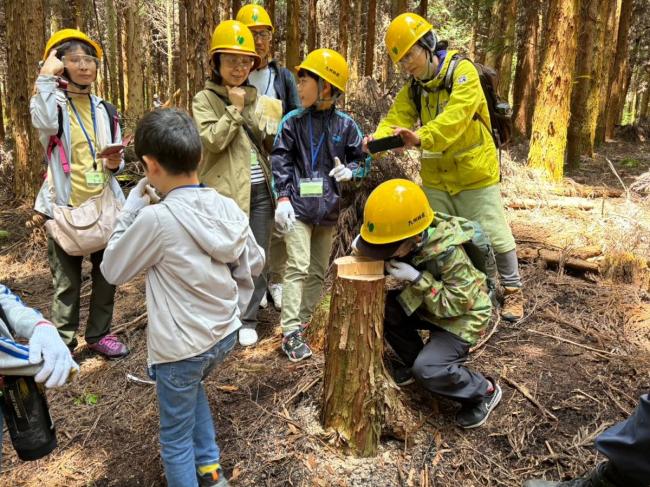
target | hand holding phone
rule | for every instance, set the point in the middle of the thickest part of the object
(115, 148)
(385, 143)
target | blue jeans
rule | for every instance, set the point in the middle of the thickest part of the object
(187, 433)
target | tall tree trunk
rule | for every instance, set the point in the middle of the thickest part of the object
(493, 47)
(551, 117)
(236, 5)
(169, 27)
(370, 38)
(579, 134)
(526, 72)
(608, 68)
(111, 50)
(269, 5)
(644, 100)
(505, 63)
(473, 43)
(63, 15)
(201, 22)
(135, 103)
(2, 118)
(119, 38)
(23, 53)
(344, 10)
(356, 48)
(423, 9)
(599, 70)
(617, 80)
(312, 32)
(181, 58)
(292, 56)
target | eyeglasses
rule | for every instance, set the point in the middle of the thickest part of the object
(409, 56)
(262, 34)
(79, 59)
(236, 61)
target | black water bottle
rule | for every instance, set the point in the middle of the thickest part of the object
(25, 410)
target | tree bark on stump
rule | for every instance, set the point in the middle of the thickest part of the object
(358, 396)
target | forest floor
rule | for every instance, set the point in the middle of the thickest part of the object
(267, 409)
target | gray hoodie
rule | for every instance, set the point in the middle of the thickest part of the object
(201, 258)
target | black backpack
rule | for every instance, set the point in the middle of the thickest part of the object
(499, 109)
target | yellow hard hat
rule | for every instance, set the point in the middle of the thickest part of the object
(252, 15)
(234, 37)
(395, 210)
(329, 65)
(403, 32)
(64, 35)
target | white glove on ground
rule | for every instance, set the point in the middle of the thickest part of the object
(46, 346)
(285, 217)
(340, 172)
(139, 197)
(402, 271)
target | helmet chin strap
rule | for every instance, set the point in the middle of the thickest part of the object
(67, 76)
(430, 72)
(320, 101)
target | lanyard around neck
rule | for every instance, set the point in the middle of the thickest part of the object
(83, 128)
(314, 154)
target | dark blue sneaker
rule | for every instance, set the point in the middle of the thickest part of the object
(474, 415)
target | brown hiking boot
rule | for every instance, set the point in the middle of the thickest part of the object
(513, 304)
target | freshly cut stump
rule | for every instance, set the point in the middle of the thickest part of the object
(357, 393)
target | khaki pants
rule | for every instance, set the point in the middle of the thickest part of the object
(482, 205)
(308, 251)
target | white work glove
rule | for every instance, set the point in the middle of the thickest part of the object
(354, 245)
(140, 196)
(340, 172)
(285, 217)
(402, 271)
(46, 346)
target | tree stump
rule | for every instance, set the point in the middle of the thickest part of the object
(358, 395)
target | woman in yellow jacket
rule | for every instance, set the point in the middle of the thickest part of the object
(459, 163)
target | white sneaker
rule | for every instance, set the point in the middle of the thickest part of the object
(275, 290)
(247, 337)
(264, 303)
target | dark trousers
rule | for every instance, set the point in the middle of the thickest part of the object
(66, 278)
(627, 445)
(439, 364)
(261, 223)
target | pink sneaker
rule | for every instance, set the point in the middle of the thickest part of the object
(110, 347)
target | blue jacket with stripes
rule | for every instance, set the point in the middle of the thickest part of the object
(308, 140)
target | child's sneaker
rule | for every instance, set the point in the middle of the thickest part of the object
(295, 347)
(473, 416)
(213, 478)
(110, 347)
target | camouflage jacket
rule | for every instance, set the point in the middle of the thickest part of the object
(451, 292)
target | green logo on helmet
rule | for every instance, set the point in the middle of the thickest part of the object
(255, 17)
(240, 40)
(395, 50)
(371, 227)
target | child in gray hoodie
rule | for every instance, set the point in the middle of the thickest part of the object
(201, 257)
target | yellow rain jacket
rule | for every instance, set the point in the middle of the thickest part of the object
(458, 152)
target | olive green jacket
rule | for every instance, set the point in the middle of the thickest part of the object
(226, 163)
